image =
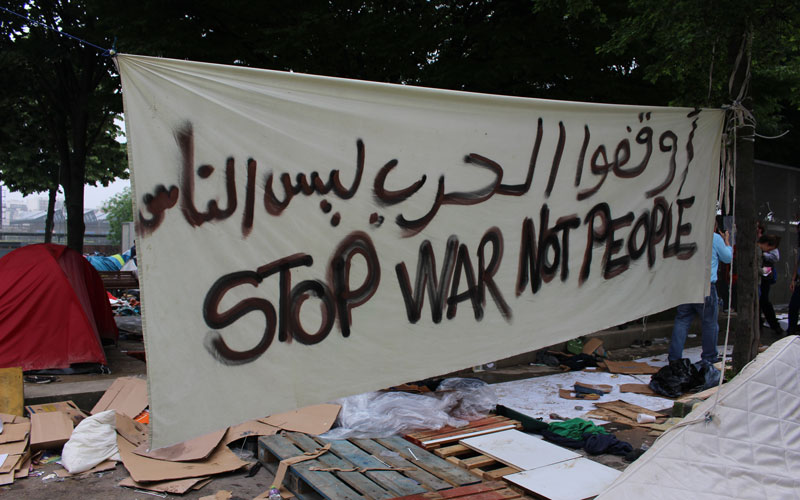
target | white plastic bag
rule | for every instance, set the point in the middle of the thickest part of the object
(93, 441)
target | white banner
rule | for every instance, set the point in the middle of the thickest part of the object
(303, 238)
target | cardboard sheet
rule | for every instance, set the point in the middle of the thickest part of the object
(50, 430)
(251, 428)
(630, 367)
(67, 407)
(7, 478)
(637, 389)
(15, 448)
(315, 419)
(12, 419)
(194, 449)
(127, 395)
(177, 487)
(220, 495)
(14, 432)
(149, 469)
(10, 463)
(103, 466)
(135, 432)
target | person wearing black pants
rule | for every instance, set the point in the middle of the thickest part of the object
(769, 260)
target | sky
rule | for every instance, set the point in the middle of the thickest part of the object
(93, 197)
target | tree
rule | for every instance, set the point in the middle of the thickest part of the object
(68, 104)
(119, 209)
(737, 53)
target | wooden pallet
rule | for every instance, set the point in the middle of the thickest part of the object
(482, 466)
(496, 490)
(425, 471)
(448, 435)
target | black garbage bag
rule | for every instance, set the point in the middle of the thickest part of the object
(676, 378)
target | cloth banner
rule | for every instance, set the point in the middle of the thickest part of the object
(303, 238)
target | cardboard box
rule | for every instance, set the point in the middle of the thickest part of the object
(67, 407)
(50, 430)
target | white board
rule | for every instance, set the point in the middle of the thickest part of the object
(518, 449)
(570, 480)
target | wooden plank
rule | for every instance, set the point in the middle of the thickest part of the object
(428, 461)
(420, 475)
(355, 480)
(391, 480)
(457, 436)
(478, 461)
(495, 490)
(449, 451)
(324, 483)
(493, 475)
(493, 419)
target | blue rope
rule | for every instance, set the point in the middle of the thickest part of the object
(106, 52)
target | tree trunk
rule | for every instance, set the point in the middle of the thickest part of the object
(748, 333)
(51, 210)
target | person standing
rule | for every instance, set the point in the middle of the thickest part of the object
(768, 244)
(721, 251)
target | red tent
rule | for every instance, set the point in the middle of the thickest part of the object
(53, 309)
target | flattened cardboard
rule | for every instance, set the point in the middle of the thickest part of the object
(592, 345)
(630, 367)
(178, 487)
(23, 469)
(7, 478)
(15, 448)
(637, 389)
(135, 432)
(12, 419)
(127, 395)
(193, 449)
(144, 469)
(316, 419)
(101, 467)
(251, 428)
(14, 432)
(50, 430)
(11, 397)
(67, 407)
(10, 463)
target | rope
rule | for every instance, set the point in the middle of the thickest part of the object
(106, 52)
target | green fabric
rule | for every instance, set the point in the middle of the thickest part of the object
(575, 428)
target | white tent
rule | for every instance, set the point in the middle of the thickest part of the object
(744, 444)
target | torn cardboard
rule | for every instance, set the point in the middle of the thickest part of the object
(251, 428)
(67, 407)
(316, 419)
(193, 449)
(177, 487)
(135, 432)
(637, 389)
(127, 395)
(144, 469)
(50, 430)
(594, 346)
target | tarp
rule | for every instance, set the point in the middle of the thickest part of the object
(743, 445)
(53, 309)
(303, 238)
